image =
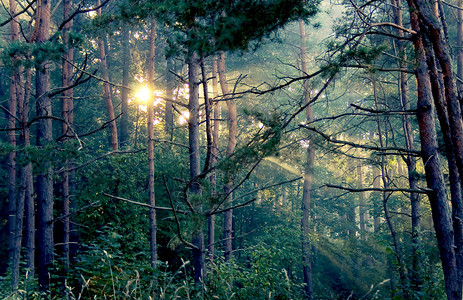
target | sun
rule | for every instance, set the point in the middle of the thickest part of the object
(144, 94)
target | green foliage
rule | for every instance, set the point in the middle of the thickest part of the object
(261, 279)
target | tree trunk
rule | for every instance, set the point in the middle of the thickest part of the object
(107, 90)
(386, 195)
(215, 152)
(27, 180)
(150, 120)
(443, 56)
(207, 108)
(44, 136)
(16, 210)
(376, 206)
(460, 46)
(170, 87)
(124, 124)
(232, 133)
(195, 188)
(67, 114)
(308, 177)
(362, 209)
(409, 160)
(433, 169)
(454, 175)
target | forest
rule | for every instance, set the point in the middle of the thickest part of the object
(231, 149)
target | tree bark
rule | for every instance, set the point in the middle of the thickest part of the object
(232, 133)
(107, 90)
(308, 177)
(195, 188)
(152, 200)
(433, 169)
(44, 136)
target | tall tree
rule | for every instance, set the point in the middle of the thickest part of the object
(67, 111)
(362, 208)
(199, 263)
(232, 134)
(170, 87)
(150, 104)
(126, 61)
(45, 201)
(15, 207)
(214, 158)
(107, 88)
(434, 175)
(409, 159)
(308, 175)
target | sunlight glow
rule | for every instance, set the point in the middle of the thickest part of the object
(144, 94)
(184, 117)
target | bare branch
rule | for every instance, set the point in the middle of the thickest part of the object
(74, 212)
(366, 147)
(81, 11)
(252, 200)
(144, 204)
(11, 18)
(98, 158)
(177, 222)
(385, 190)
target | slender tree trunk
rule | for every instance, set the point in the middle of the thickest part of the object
(460, 47)
(384, 177)
(67, 112)
(124, 124)
(215, 152)
(376, 206)
(152, 200)
(195, 188)
(44, 136)
(207, 106)
(14, 203)
(362, 214)
(433, 169)
(409, 160)
(413, 184)
(107, 90)
(27, 180)
(232, 133)
(170, 87)
(308, 177)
